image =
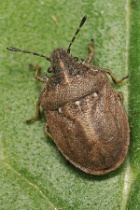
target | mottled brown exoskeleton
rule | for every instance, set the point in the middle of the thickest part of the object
(85, 115)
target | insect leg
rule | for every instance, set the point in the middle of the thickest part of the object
(37, 73)
(115, 80)
(37, 116)
(46, 127)
(120, 95)
(92, 52)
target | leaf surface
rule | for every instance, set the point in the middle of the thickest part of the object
(34, 174)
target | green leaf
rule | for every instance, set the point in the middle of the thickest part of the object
(34, 174)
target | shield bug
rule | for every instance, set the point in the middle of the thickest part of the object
(85, 115)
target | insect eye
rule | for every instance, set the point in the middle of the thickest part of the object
(75, 59)
(83, 59)
(49, 70)
(53, 70)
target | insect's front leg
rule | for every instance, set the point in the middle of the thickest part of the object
(92, 52)
(37, 73)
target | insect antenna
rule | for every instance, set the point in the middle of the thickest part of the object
(26, 51)
(77, 31)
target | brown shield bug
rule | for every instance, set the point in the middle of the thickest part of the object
(85, 115)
